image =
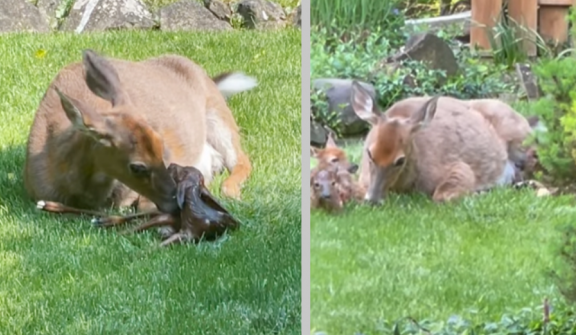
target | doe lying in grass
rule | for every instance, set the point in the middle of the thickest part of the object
(443, 152)
(106, 129)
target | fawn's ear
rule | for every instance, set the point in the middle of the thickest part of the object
(330, 143)
(85, 119)
(102, 78)
(181, 193)
(362, 103)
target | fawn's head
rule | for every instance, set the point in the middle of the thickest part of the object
(332, 154)
(323, 180)
(390, 146)
(131, 151)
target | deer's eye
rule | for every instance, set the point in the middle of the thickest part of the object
(317, 185)
(399, 161)
(139, 170)
(334, 160)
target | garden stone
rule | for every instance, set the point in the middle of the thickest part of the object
(261, 14)
(102, 15)
(318, 134)
(431, 50)
(219, 9)
(21, 16)
(338, 93)
(190, 15)
(48, 9)
(297, 16)
(528, 81)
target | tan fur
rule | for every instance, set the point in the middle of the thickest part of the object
(159, 114)
(440, 149)
(332, 154)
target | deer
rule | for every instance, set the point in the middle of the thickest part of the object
(106, 129)
(440, 149)
(324, 191)
(333, 154)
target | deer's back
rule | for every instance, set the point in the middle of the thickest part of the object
(457, 135)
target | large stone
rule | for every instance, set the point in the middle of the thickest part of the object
(190, 15)
(48, 9)
(101, 15)
(261, 14)
(318, 135)
(297, 16)
(221, 10)
(338, 93)
(21, 16)
(431, 50)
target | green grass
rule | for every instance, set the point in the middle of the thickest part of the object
(60, 275)
(479, 258)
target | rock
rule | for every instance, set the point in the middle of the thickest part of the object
(261, 14)
(528, 81)
(219, 9)
(21, 16)
(337, 93)
(431, 50)
(190, 15)
(48, 9)
(101, 15)
(297, 16)
(318, 135)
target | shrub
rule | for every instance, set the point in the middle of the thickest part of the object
(557, 109)
(348, 59)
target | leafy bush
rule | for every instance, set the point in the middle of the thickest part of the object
(557, 110)
(348, 59)
(544, 319)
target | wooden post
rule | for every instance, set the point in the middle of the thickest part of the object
(484, 16)
(525, 14)
(553, 25)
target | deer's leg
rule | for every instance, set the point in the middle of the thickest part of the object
(458, 182)
(224, 137)
(157, 221)
(56, 207)
(116, 220)
(175, 238)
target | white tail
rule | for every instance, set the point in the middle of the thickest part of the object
(234, 83)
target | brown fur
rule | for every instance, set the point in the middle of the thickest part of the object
(324, 192)
(332, 154)
(440, 149)
(154, 112)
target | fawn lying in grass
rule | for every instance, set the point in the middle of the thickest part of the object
(200, 215)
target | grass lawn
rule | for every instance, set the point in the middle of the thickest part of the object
(479, 258)
(60, 275)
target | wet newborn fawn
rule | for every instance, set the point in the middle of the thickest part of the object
(332, 187)
(200, 214)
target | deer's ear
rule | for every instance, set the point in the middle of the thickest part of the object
(330, 143)
(102, 78)
(363, 104)
(85, 119)
(423, 117)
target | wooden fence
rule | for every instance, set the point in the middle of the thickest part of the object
(549, 18)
